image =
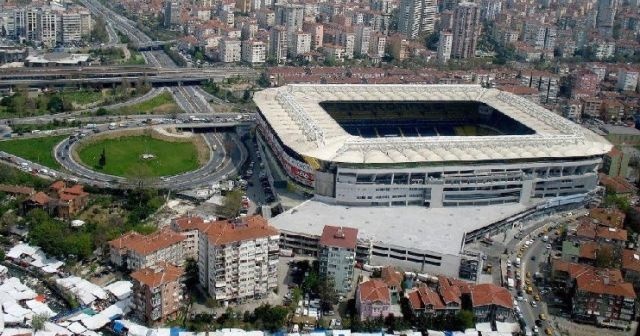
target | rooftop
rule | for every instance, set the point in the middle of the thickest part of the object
(343, 237)
(490, 294)
(374, 291)
(608, 217)
(295, 114)
(147, 244)
(244, 228)
(423, 297)
(440, 230)
(630, 260)
(158, 274)
(596, 280)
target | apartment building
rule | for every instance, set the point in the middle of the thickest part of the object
(157, 292)
(373, 299)
(300, 44)
(627, 79)
(238, 259)
(362, 40)
(601, 296)
(377, 44)
(75, 24)
(254, 52)
(189, 226)
(337, 255)
(444, 46)
(230, 51)
(134, 250)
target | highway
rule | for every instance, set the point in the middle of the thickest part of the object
(119, 22)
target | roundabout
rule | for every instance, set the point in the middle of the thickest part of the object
(191, 162)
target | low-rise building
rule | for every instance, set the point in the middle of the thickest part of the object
(373, 299)
(134, 250)
(601, 296)
(424, 300)
(337, 256)
(492, 303)
(157, 292)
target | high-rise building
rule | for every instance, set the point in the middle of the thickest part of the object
(363, 38)
(157, 292)
(278, 44)
(238, 259)
(47, 29)
(377, 44)
(75, 25)
(317, 33)
(416, 16)
(243, 6)
(291, 16)
(606, 13)
(466, 29)
(230, 50)
(300, 44)
(337, 256)
(347, 40)
(627, 79)
(444, 46)
(253, 51)
(171, 13)
(134, 251)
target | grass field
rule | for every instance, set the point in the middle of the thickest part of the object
(38, 150)
(124, 156)
(160, 104)
(81, 97)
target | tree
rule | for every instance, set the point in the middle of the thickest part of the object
(326, 293)
(55, 105)
(191, 273)
(464, 319)
(232, 203)
(102, 111)
(103, 159)
(38, 321)
(246, 96)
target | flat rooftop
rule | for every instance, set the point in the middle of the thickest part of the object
(438, 230)
(296, 115)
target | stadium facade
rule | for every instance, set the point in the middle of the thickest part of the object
(428, 145)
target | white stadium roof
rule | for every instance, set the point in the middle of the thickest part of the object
(294, 112)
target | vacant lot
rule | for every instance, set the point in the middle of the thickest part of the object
(160, 104)
(38, 150)
(124, 156)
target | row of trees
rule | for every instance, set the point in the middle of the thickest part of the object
(20, 104)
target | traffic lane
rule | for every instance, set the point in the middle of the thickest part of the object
(539, 250)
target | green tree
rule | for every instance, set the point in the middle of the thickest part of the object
(55, 104)
(272, 318)
(102, 111)
(191, 273)
(604, 257)
(38, 321)
(102, 161)
(232, 203)
(246, 96)
(464, 319)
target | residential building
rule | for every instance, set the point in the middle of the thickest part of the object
(606, 13)
(253, 52)
(424, 300)
(337, 256)
(291, 16)
(69, 201)
(238, 259)
(317, 34)
(492, 303)
(466, 30)
(377, 45)
(397, 47)
(393, 278)
(76, 24)
(333, 52)
(300, 44)
(278, 44)
(609, 217)
(347, 40)
(416, 17)
(373, 299)
(362, 40)
(230, 51)
(445, 44)
(189, 226)
(631, 267)
(627, 79)
(600, 296)
(134, 250)
(172, 13)
(157, 292)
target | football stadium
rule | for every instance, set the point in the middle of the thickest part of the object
(428, 145)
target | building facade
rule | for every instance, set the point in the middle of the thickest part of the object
(466, 30)
(158, 292)
(337, 256)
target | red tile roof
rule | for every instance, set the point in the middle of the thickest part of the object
(245, 228)
(631, 260)
(40, 198)
(335, 236)
(14, 189)
(609, 233)
(589, 250)
(188, 223)
(421, 297)
(157, 274)
(148, 244)
(392, 277)
(608, 217)
(490, 294)
(374, 291)
(596, 280)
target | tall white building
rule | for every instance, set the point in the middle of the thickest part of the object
(377, 44)
(254, 52)
(230, 51)
(416, 16)
(238, 259)
(627, 79)
(47, 29)
(362, 40)
(300, 44)
(347, 40)
(278, 43)
(606, 13)
(444, 46)
(291, 16)
(171, 13)
(75, 25)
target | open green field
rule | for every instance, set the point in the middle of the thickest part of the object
(160, 104)
(124, 156)
(38, 150)
(81, 97)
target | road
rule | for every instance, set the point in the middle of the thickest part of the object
(118, 21)
(221, 163)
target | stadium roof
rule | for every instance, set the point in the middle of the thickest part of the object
(295, 114)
